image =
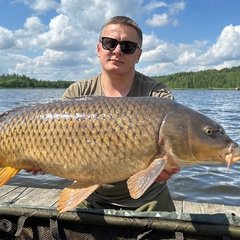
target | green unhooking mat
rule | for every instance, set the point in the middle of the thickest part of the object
(29, 223)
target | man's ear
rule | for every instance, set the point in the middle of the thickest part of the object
(98, 49)
(139, 55)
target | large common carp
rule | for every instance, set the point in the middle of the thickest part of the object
(97, 140)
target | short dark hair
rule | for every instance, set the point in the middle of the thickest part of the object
(123, 20)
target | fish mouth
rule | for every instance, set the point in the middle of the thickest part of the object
(232, 154)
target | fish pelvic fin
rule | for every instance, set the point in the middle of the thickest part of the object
(141, 181)
(73, 195)
(7, 173)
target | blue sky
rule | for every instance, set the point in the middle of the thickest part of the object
(53, 39)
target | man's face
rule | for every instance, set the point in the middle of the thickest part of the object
(116, 61)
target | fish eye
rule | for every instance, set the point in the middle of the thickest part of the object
(208, 131)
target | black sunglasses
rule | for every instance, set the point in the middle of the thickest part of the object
(127, 47)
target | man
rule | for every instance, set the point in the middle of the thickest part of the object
(119, 49)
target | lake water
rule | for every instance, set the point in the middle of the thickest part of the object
(201, 183)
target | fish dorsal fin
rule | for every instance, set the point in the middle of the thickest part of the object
(72, 195)
(7, 173)
(141, 181)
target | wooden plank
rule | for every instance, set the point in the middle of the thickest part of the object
(12, 194)
(40, 197)
(178, 206)
(204, 208)
(209, 208)
(233, 210)
(5, 189)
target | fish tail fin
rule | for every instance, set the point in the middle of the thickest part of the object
(7, 173)
(73, 195)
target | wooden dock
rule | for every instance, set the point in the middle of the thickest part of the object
(40, 203)
(42, 197)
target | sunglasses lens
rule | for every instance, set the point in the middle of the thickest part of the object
(109, 43)
(126, 46)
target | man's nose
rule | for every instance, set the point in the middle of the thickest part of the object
(118, 49)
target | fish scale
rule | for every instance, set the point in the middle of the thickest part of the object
(97, 140)
(103, 133)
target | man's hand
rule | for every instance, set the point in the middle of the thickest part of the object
(167, 174)
(35, 170)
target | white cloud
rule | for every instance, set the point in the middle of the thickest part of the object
(65, 47)
(176, 7)
(164, 52)
(21, 39)
(7, 39)
(62, 36)
(155, 4)
(40, 5)
(159, 69)
(47, 66)
(8, 60)
(227, 46)
(171, 8)
(166, 17)
(91, 14)
(186, 57)
(150, 41)
(44, 5)
(158, 20)
(156, 50)
(32, 26)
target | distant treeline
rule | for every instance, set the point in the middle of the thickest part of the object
(22, 81)
(227, 78)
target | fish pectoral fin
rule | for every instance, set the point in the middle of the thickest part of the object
(72, 195)
(7, 173)
(141, 181)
